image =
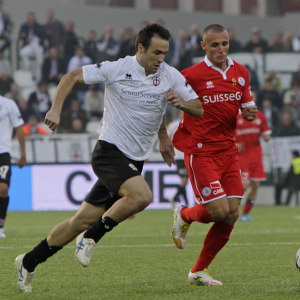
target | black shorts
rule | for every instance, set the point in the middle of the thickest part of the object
(181, 169)
(112, 168)
(5, 168)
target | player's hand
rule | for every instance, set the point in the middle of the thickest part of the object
(174, 99)
(167, 151)
(240, 147)
(52, 119)
(22, 162)
(249, 113)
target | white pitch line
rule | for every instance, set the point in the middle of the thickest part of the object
(165, 245)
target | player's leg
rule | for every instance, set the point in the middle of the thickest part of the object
(122, 177)
(254, 185)
(5, 175)
(215, 240)
(224, 211)
(60, 236)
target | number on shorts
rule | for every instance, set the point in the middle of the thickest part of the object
(3, 171)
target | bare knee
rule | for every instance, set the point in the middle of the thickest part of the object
(219, 213)
(142, 200)
(3, 190)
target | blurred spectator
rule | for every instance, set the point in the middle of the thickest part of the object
(71, 42)
(53, 68)
(72, 113)
(128, 45)
(32, 127)
(39, 101)
(235, 45)
(108, 47)
(294, 90)
(24, 109)
(286, 127)
(293, 109)
(270, 113)
(33, 36)
(90, 46)
(77, 61)
(296, 76)
(93, 103)
(14, 93)
(120, 40)
(77, 126)
(287, 42)
(268, 92)
(55, 33)
(296, 43)
(291, 180)
(5, 82)
(277, 43)
(195, 39)
(274, 79)
(183, 52)
(4, 64)
(256, 44)
(253, 78)
(170, 54)
(6, 26)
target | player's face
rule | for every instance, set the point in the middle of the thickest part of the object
(216, 45)
(151, 59)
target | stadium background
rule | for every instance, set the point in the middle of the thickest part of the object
(270, 16)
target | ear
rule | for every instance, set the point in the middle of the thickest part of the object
(203, 46)
(141, 48)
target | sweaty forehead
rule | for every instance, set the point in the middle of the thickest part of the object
(158, 43)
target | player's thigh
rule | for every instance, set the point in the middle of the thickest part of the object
(136, 188)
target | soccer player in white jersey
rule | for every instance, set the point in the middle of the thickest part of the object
(138, 89)
(10, 117)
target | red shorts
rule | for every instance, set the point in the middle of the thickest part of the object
(215, 176)
(252, 168)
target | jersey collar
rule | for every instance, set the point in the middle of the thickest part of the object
(210, 65)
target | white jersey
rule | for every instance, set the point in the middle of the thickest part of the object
(10, 117)
(172, 127)
(134, 104)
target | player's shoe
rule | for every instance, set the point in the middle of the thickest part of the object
(25, 277)
(246, 218)
(2, 234)
(202, 278)
(180, 228)
(84, 249)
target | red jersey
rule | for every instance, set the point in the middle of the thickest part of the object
(248, 133)
(221, 93)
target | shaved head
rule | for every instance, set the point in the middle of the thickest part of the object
(215, 28)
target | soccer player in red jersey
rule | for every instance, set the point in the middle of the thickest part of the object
(250, 156)
(223, 88)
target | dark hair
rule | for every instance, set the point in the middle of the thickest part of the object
(214, 27)
(296, 153)
(147, 33)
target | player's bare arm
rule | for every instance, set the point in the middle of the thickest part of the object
(249, 113)
(166, 146)
(65, 86)
(21, 139)
(192, 107)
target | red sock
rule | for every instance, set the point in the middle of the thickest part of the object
(196, 213)
(215, 240)
(248, 206)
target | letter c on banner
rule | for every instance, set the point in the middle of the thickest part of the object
(69, 181)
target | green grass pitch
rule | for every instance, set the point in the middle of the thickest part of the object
(138, 259)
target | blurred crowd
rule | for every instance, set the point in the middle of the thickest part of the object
(51, 49)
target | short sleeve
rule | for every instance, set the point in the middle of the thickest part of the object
(15, 115)
(98, 73)
(181, 87)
